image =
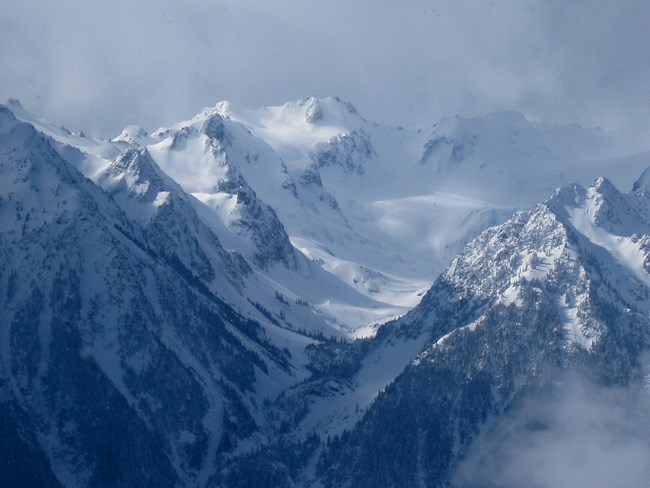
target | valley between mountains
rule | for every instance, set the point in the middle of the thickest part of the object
(297, 296)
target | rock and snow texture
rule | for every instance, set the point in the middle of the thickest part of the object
(393, 205)
(560, 287)
(189, 280)
(564, 285)
(368, 213)
(106, 340)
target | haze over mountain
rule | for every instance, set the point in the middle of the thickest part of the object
(96, 66)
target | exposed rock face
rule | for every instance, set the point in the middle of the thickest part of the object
(551, 289)
(153, 329)
(118, 365)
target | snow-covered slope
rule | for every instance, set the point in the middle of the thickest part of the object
(375, 212)
(564, 285)
(214, 202)
(187, 279)
(117, 364)
(394, 205)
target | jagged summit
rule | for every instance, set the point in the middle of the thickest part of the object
(132, 134)
(549, 290)
(191, 282)
(326, 109)
(603, 205)
(134, 173)
(313, 110)
(311, 114)
(309, 111)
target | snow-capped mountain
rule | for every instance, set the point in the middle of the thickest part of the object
(562, 286)
(376, 211)
(394, 205)
(108, 336)
(177, 304)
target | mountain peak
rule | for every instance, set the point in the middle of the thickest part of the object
(569, 194)
(604, 186)
(642, 184)
(223, 109)
(132, 134)
(315, 107)
(135, 173)
(14, 102)
(137, 161)
(313, 113)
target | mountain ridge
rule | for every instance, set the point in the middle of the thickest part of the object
(199, 260)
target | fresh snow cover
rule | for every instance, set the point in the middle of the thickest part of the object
(401, 202)
(614, 224)
(574, 327)
(380, 209)
(314, 223)
(100, 294)
(622, 247)
(333, 413)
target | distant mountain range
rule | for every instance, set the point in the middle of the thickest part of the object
(295, 296)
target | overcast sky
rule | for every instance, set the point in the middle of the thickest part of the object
(101, 65)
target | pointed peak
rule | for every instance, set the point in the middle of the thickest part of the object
(568, 195)
(14, 103)
(210, 121)
(328, 111)
(604, 186)
(130, 154)
(136, 161)
(136, 172)
(223, 106)
(132, 134)
(313, 113)
(222, 109)
(642, 184)
(333, 103)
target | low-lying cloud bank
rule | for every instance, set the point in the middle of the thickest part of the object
(578, 435)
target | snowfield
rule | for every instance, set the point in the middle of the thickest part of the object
(373, 211)
(297, 294)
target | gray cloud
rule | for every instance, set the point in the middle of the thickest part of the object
(102, 65)
(577, 436)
